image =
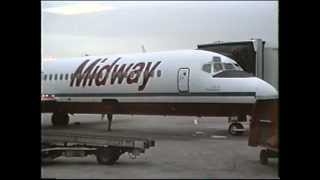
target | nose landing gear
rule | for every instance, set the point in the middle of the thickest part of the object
(109, 121)
(109, 116)
(236, 128)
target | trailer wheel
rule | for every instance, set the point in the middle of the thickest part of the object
(233, 127)
(264, 157)
(107, 156)
(60, 119)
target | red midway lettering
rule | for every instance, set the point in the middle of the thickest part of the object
(100, 73)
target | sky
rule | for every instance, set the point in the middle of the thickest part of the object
(76, 28)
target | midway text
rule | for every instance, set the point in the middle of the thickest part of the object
(98, 72)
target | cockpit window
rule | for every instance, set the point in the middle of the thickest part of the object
(216, 59)
(217, 67)
(206, 68)
(228, 66)
(238, 67)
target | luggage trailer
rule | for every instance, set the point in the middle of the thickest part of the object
(106, 148)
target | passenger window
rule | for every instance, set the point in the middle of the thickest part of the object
(61, 77)
(55, 76)
(207, 68)
(50, 77)
(217, 67)
(45, 77)
(66, 77)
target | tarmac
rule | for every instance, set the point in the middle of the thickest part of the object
(186, 147)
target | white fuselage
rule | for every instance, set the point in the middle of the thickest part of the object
(160, 77)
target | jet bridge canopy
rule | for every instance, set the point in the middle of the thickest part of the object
(242, 52)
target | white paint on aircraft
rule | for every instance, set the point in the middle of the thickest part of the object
(172, 76)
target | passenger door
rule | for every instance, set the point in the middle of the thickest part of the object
(183, 80)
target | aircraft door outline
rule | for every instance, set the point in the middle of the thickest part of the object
(183, 80)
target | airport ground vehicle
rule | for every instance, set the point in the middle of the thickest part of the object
(264, 130)
(106, 148)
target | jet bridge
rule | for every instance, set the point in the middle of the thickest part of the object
(255, 58)
(252, 55)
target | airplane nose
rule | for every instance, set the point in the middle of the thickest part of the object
(265, 90)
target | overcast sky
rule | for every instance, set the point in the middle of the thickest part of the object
(74, 28)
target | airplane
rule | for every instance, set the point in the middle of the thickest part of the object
(181, 82)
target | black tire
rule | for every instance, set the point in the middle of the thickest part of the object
(240, 126)
(107, 156)
(60, 119)
(264, 157)
(235, 126)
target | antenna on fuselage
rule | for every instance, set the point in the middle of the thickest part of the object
(143, 49)
(218, 42)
